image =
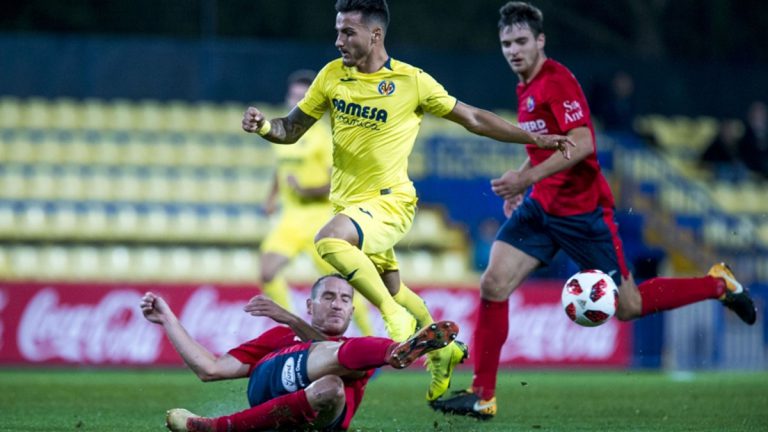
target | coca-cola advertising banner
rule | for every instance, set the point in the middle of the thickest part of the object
(101, 324)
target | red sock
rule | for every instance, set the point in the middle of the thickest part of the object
(292, 409)
(364, 353)
(660, 294)
(491, 332)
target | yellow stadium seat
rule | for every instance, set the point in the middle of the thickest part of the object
(65, 222)
(33, 222)
(55, 263)
(94, 114)
(156, 224)
(243, 264)
(8, 222)
(96, 223)
(150, 265)
(66, 114)
(151, 116)
(87, 260)
(25, 262)
(36, 114)
(10, 113)
(127, 224)
(121, 115)
(180, 117)
(13, 183)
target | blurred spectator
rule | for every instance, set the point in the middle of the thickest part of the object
(722, 155)
(615, 104)
(753, 146)
(486, 234)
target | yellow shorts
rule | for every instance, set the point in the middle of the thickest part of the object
(295, 231)
(382, 222)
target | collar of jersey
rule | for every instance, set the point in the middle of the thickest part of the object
(387, 68)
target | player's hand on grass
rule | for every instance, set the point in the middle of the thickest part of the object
(511, 184)
(253, 120)
(511, 204)
(261, 305)
(155, 309)
(561, 143)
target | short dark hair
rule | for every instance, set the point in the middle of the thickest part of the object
(302, 76)
(314, 291)
(370, 9)
(516, 12)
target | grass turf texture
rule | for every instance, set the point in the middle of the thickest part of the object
(110, 400)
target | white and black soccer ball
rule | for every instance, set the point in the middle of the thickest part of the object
(590, 298)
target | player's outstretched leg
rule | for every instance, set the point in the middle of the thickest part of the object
(441, 364)
(181, 420)
(736, 297)
(466, 403)
(432, 337)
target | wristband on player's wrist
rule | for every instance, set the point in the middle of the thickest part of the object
(265, 128)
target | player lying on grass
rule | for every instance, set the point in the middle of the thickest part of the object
(302, 375)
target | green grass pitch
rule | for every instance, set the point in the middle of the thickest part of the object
(136, 400)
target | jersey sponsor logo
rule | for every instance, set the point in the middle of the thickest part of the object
(288, 377)
(573, 111)
(358, 115)
(365, 211)
(347, 79)
(537, 125)
(386, 88)
(530, 104)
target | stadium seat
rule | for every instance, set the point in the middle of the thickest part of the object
(55, 263)
(65, 223)
(25, 262)
(8, 221)
(65, 114)
(10, 113)
(243, 264)
(87, 262)
(13, 183)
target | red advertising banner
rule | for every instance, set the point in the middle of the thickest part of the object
(101, 324)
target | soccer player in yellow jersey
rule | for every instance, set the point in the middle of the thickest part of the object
(376, 104)
(301, 186)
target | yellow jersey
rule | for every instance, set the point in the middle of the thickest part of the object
(374, 119)
(309, 161)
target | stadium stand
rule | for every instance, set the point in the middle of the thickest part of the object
(163, 191)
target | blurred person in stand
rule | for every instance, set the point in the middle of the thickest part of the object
(753, 146)
(722, 155)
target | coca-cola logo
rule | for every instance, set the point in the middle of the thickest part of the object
(542, 332)
(110, 331)
(220, 325)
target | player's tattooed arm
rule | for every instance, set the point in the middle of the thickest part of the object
(282, 130)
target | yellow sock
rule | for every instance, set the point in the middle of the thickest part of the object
(415, 305)
(361, 317)
(277, 290)
(352, 263)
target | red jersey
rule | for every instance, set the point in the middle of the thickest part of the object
(282, 339)
(553, 103)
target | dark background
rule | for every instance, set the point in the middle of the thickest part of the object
(689, 57)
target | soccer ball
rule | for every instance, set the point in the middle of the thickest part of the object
(590, 298)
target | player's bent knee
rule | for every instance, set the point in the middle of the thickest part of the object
(326, 393)
(493, 288)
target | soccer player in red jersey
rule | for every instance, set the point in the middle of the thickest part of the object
(303, 375)
(570, 208)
